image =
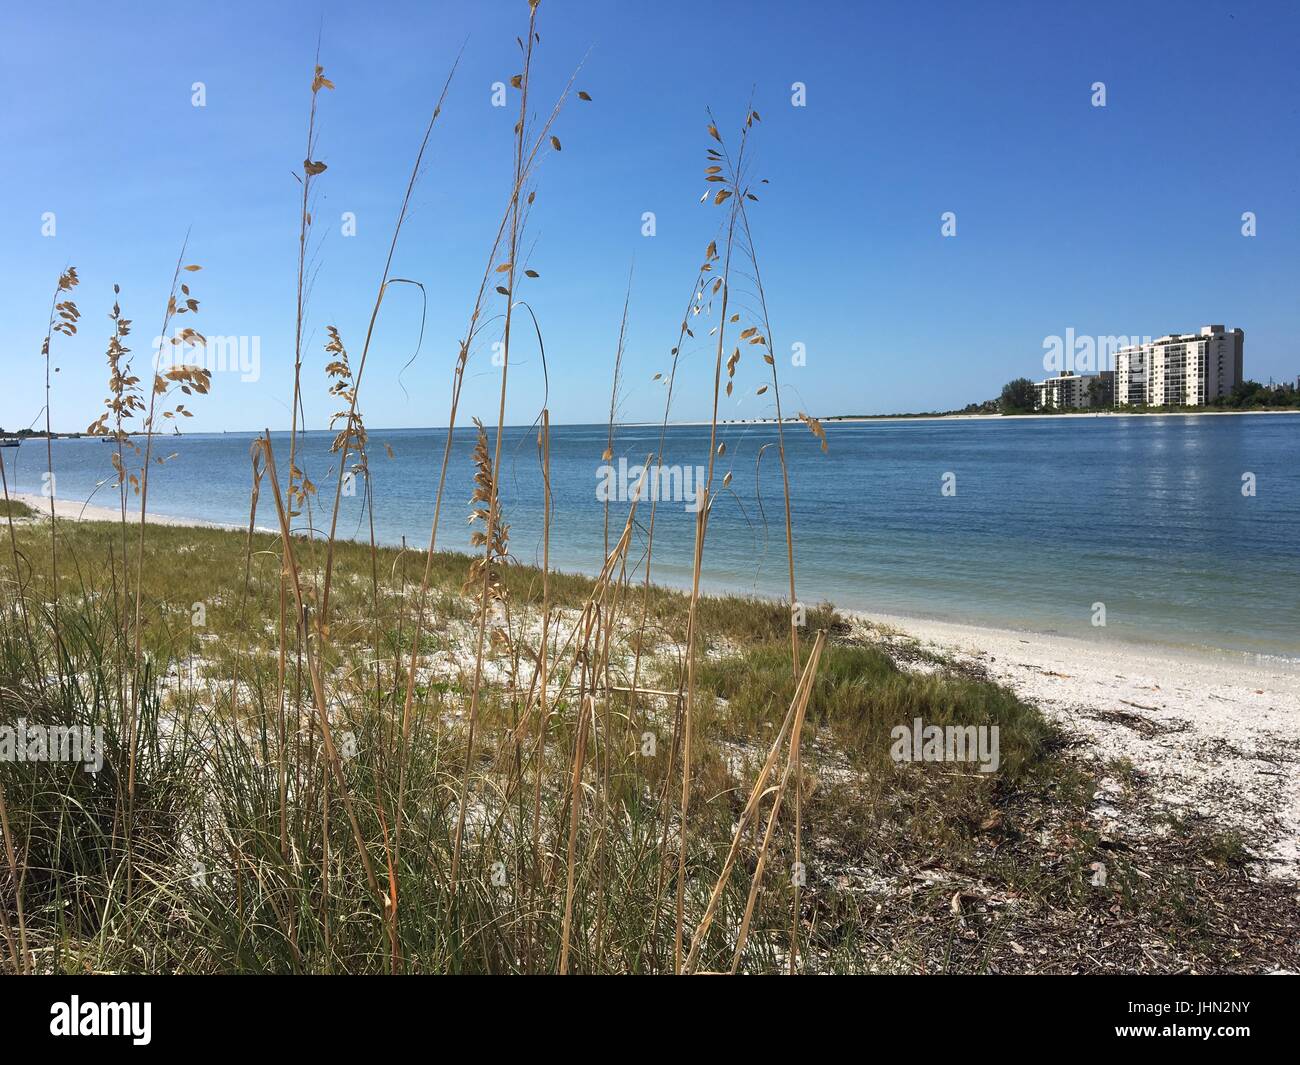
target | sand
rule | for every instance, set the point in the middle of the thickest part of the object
(74, 510)
(1217, 735)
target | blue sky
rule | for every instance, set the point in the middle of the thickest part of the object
(1117, 220)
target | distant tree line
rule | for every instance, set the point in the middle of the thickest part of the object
(1251, 395)
(39, 434)
(1018, 397)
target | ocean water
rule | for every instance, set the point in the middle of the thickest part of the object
(1043, 518)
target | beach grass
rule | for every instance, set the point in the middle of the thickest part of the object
(15, 508)
(214, 891)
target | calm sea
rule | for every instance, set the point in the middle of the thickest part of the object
(1014, 523)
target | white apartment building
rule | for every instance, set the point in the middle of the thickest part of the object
(1071, 391)
(1180, 370)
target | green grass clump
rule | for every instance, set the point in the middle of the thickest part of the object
(860, 696)
(15, 508)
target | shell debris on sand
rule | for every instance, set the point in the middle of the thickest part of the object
(1216, 734)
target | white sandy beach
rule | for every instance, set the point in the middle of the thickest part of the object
(74, 510)
(1217, 736)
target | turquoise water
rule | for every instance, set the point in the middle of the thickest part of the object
(1049, 516)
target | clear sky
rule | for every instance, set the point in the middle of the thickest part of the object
(1117, 220)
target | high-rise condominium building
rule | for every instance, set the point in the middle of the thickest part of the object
(1071, 391)
(1184, 370)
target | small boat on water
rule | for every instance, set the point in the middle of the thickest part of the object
(9, 441)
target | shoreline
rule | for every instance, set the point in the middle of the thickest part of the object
(1199, 413)
(1216, 732)
(71, 510)
(1208, 654)
(1202, 653)
(858, 419)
